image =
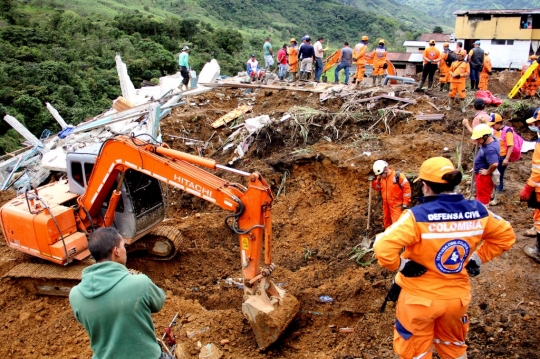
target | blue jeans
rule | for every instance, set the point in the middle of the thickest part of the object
(339, 67)
(318, 68)
(475, 74)
(282, 71)
(501, 169)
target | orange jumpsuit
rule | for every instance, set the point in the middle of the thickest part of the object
(534, 181)
(293, 59)
(359, 53)
(394, 195)
(533, 82)
(379, 59)
(457, 86)
(484, 75)
(444, 69)
(441, 234)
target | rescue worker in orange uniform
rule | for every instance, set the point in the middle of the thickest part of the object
(444, 67)
(359, 55)
(530, 87)
(431, 57)
(443, 246)
(379, 62)
(292, 51)
(459, 70)
(532, 189)
(486, 72)
(395, 191)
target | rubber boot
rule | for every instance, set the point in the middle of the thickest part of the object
(421, 84)
(430, 85)
(449, 106)
(531, 232)
(461, 103)
(375, 80)
(447, 87)
(496, 198)
(532, 251)
(441, 87)
(354, 80)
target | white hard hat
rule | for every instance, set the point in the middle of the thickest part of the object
(379, 166)
(185, 48)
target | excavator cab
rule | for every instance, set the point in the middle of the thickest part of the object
(140, 208)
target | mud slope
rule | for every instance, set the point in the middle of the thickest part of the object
(318, 217)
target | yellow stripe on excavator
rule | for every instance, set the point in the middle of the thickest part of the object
(523, 79)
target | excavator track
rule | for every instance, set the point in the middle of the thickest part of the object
(162, 244)
(47, 278)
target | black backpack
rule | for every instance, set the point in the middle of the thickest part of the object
(450, 58)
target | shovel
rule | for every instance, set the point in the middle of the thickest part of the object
(366, 241)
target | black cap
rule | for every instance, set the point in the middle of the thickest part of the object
(252, 55)
(479, 104)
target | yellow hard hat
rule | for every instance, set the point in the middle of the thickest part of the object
(432, 42)
(365, 38)
(480, 131)
(446, 44)
(293, 40)
(381, 41)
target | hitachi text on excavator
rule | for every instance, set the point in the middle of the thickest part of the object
(117, 184)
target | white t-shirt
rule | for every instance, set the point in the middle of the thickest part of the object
(318, 49)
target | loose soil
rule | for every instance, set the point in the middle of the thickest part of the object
(318, 217)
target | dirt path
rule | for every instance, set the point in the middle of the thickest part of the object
(319, 216)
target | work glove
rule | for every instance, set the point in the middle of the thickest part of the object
(430, 62)
(385, 66)
(526, 193)
(473, 266)
(410, 268)
(457, 76)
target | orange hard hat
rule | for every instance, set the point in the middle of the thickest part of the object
(495, 117)
(446, 44)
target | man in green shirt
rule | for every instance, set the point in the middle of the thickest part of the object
(268, 54)
(183, 66)
(114, 305)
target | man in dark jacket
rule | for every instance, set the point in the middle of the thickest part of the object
(476, 61)
(115, 306)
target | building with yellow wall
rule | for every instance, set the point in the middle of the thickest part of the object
(509, 36)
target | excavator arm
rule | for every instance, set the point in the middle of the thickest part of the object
(267, 307)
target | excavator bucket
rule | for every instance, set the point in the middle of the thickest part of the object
(269, 311)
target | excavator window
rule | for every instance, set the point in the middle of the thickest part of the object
(144, 191)
(77, 173)
(88, 168)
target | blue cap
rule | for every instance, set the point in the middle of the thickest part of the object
(477, 42)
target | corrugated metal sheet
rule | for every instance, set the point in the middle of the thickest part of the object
(398, 56)
(497, 12)
(433, 36)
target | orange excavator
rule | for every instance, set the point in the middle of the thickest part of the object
(332, 60)
(117, 184)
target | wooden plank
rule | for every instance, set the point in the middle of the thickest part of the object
(398, 99)
(433, 117)
(228, 117)
(266, 87)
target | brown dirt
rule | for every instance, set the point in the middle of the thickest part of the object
(318, 218)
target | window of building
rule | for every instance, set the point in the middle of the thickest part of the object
(509, 42)
(498, 42)
(480, 18)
